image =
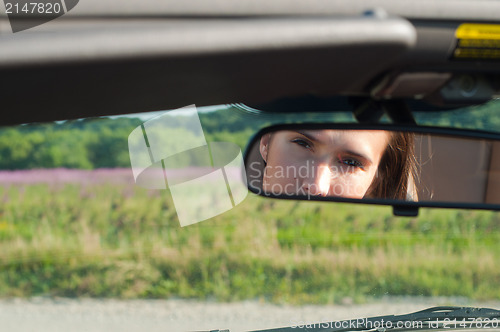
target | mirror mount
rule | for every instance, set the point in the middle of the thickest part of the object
(405, 211)
(399, 112)
(366, 110)
(370, 111)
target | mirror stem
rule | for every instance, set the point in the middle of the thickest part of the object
(399, 112)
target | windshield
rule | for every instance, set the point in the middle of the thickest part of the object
(85, 245)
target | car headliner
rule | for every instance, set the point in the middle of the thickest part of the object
(115, 57)
(484, 10)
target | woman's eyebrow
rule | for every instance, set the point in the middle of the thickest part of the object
(309, 136)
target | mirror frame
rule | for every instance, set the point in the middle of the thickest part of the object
(400, 208)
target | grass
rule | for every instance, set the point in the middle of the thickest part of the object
(110, 240)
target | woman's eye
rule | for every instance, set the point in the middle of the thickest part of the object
(351, 163)
(302, 143)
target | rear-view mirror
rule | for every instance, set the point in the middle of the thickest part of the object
(406, 168)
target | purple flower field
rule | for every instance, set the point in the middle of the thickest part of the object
(97, 176)
(63, 175)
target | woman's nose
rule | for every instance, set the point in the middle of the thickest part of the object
(320, 181)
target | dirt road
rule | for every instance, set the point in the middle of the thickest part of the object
(43, 314)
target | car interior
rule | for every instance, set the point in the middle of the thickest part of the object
(420, 67)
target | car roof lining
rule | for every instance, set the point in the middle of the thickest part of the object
(423, 9)
(92, 67)
(82, 74)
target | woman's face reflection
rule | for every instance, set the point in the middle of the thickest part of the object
(340, 163)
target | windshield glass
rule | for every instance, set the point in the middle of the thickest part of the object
(478, 117)
(89, 243)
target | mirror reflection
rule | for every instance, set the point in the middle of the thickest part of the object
(376, 164)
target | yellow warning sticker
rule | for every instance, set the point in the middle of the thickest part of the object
(477, 41)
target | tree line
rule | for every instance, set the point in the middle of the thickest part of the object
(103, 142)
(97, 142)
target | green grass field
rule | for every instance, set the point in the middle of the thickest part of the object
(104, 240)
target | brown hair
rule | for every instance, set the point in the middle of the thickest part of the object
(396, 177)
